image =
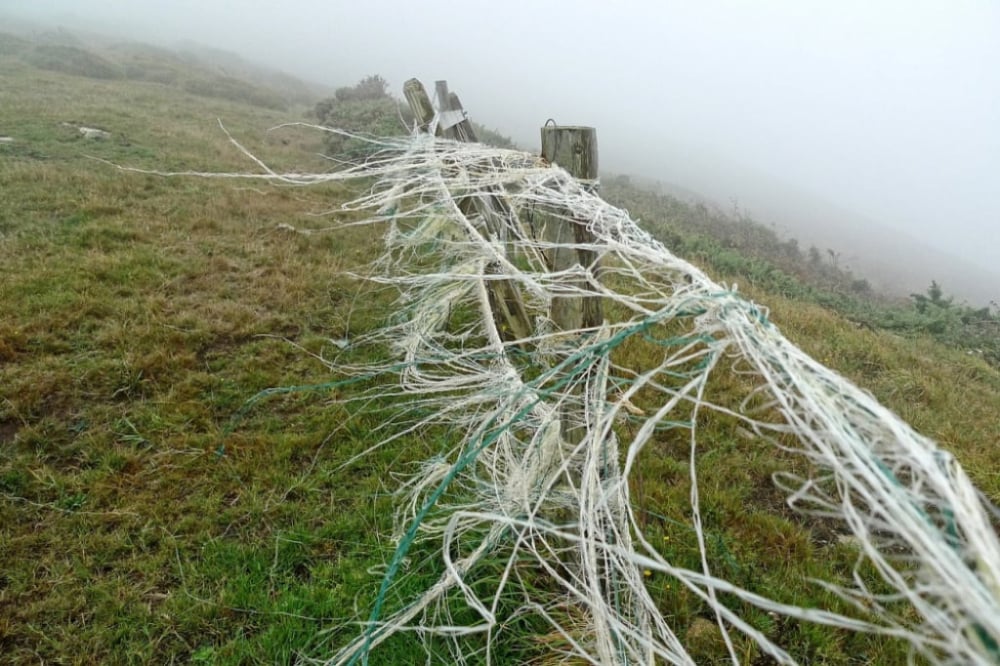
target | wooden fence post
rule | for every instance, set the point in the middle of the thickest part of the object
(420, 103)
(574, 149)
(510, 315)
(441, 94)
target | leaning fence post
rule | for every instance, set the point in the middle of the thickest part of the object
(574, 149)
(419, 102)
(510, 314)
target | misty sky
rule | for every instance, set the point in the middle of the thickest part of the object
(890, 108)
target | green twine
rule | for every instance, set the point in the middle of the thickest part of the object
(490, 434)
(238, 417)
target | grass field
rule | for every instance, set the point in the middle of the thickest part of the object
(148, 516)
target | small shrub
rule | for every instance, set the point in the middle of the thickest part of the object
(368, 108)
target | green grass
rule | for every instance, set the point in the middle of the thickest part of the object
(141, 314)
(141, 521)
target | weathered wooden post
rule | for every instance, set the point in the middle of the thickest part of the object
(574, 149)
(441, 92)
(511, 316)
(454, 123)
(419, 102)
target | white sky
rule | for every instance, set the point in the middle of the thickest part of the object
(890, 108)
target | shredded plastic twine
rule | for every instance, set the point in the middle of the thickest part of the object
(532, 523)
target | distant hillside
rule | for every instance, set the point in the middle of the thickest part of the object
(191, 68)
(230, 64)
(890, 259)
(737, 247)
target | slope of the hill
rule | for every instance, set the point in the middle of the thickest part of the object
(148, 514)
(743, 249)
(191, 68)
(894, 259)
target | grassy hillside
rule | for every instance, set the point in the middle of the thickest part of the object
(140, 314)
(141, 521)
(740, 248)
(193, 69)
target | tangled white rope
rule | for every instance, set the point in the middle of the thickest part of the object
(513, 500)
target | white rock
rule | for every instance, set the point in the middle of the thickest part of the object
(95, 134)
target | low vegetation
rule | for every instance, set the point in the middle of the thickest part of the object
(72, 60)
(742, 249)
(149, 514)
(367, 108)
(195, 70)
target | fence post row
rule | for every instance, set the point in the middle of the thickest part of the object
(572, 148)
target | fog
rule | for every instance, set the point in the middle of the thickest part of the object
(878, 115)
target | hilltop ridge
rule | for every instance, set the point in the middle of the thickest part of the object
(188, 66)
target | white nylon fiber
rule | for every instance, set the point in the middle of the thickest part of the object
(513, 495)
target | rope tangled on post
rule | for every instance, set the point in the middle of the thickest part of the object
(526, 525)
